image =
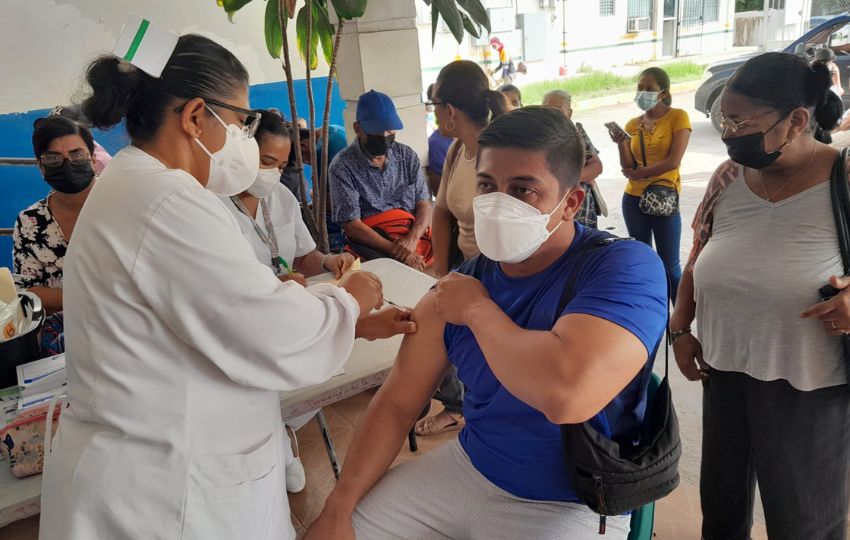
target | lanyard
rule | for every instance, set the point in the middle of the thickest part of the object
(270, 239)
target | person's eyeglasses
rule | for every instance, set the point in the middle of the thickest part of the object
(728, 124)
(252, 118)
(434, 103)
(77, 157)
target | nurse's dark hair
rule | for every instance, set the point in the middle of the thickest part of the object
(46, 130)
(784, 82)
(464, 85)
(662, 79)
(540, 129)
(198, 67)
(272, 123)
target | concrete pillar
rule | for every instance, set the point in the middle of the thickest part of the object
(380, 51)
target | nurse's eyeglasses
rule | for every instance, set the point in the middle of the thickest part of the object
(249, 125)
(77, 157)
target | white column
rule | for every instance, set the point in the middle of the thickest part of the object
(380, 51)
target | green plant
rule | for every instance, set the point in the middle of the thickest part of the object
(313, 27)
(599, 83)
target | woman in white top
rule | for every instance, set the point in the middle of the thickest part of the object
(776, 407)
(178, 340)
(464, 105)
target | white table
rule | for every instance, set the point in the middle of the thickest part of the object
(366, 368)
(370, 361)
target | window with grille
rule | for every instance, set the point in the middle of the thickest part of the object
(639, 9)
(606, 8)
(697, 12)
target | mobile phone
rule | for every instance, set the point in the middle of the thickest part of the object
(827, 292)
(615, 129)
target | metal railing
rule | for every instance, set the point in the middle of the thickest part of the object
(17, 161)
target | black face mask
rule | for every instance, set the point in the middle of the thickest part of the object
(69, 178)
(748, 150)
(377, 145)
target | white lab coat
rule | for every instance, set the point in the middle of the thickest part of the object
(178, 342)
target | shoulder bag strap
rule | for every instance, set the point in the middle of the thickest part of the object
(586, 249)
(642, 147)
(840, 196)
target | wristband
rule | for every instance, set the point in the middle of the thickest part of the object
(324, 259)
(678, 333)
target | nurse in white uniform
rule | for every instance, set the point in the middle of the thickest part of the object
(178, 339)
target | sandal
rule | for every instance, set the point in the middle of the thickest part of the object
(431, 425)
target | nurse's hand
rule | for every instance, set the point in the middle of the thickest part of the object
(366, 288)
(386, 323)
(295, 276)
(339, 263)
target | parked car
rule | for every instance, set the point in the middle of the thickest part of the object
(834, 33)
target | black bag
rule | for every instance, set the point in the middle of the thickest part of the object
(614, 478)
(840, 194)
(658, 199)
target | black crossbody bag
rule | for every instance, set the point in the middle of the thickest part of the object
(660, 198)
(613, 478)
(840, 195)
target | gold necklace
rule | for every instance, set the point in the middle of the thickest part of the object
(792, 177)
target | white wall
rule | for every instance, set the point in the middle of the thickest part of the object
(46, 44)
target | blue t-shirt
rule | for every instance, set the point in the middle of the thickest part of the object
(438, 148)
(513, 445)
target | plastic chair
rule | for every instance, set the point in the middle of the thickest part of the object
(643, 519)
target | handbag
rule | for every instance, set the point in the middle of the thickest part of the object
(611, 477)
(24, 442)
(840, 196)
(658, 199)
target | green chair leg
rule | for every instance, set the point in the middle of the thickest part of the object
(643, 521)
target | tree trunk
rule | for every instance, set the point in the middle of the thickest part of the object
(321, 224)
(322, 194)
(293, 111)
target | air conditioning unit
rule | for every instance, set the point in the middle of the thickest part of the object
(638, 24)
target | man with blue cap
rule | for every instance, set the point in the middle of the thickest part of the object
(378, 191)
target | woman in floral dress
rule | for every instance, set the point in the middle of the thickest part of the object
(64, 151)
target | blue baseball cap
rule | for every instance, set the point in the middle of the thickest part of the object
(376, 113)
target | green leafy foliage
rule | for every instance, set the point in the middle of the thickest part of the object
(301, 36)
(476, 12)
(450, 13)
(349, 9)
(274, 37)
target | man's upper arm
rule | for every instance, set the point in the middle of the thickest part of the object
(417, 173)
(421, 361)
(345, 198)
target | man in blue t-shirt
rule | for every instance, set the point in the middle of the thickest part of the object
(527, 366)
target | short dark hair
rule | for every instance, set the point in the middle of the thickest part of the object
(540, 129)
(272, 123)
(513, 89)
(784, 82)
(198, 68)
(662, 79)
(46, 130)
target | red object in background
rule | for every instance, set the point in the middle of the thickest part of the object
(562, 71)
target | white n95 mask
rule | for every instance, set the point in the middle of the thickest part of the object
(264, 184)
(233, 168)
(509, 230)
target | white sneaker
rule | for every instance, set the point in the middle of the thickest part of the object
(296, 478)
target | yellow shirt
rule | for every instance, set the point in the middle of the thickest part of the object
(657, 144)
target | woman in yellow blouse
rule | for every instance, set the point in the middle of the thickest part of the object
(652, 153)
